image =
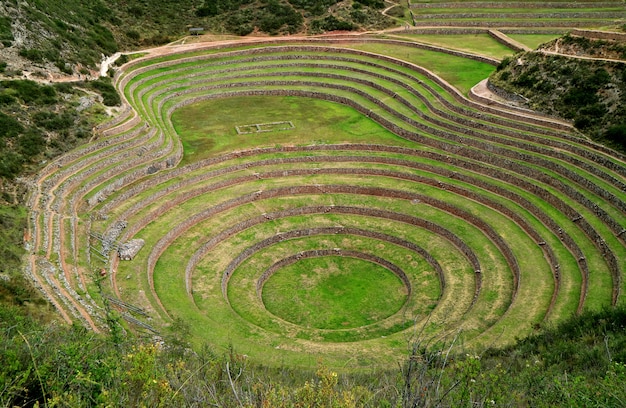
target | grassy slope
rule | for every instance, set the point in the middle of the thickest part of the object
(579, 363)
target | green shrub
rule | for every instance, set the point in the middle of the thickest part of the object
(104, 86)
(372, 3)
(157, 39)
(33, 55)
(315, 7)
(53, 121)
(504, 63)
(7, 99)
(135, 11)
(208, 10)
(10, 164)
(40, 56)
(576, 98)
(133, 35)
(64, 87)
(358, 16)
(526, 80)
(396, 11)
(617, 134)
(103, 38)
(6, 32)
(9, 126)
(64, 67)
(30, 92)
(123, 59)
(332, 23)
(240, 22)
(31, 143)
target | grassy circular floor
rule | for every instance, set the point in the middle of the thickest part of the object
(333, 292)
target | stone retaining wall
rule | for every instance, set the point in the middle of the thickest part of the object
(564, 24)
(362, 211)
(490, 148)
(507, 41)
(600, 35)
(519, 5)
(316, 253)
(548, 221)
(177, 230)
(326, 50)
(534, 16)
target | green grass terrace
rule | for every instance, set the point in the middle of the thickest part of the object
(328, 199)
(525, 15)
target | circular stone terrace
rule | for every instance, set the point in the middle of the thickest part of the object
(457, 218)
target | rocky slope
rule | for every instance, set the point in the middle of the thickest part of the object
(50, 38)
(586, 86)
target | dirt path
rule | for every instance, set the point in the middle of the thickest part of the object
(581, 57)
(487, 97)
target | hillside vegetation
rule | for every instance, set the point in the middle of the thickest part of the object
(579, 363)
(589, 88)
(72, 36)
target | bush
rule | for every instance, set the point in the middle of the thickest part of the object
(617, 134)
(135, 11)
(64, 87)
(31, 143)
(6, 32)
(396, 11)
(6, 99)
(123, 59)
(53, 121)
(315, 7)
(133, 35)
(240, 23)
(158, 39)
(64, 67)
(277, 17)
(372, 3)
(359, 16)
(577, 97)
(525, 80)
(9, 126)
(332, 23)
(504, 63)
(104, 86)
(103, 38)
(30, 92)
(243, 29)
(599, 79)
(10, 164)
(33, 55)
(208, 10)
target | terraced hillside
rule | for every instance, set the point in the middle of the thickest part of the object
(243, 168)
(517, 14)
